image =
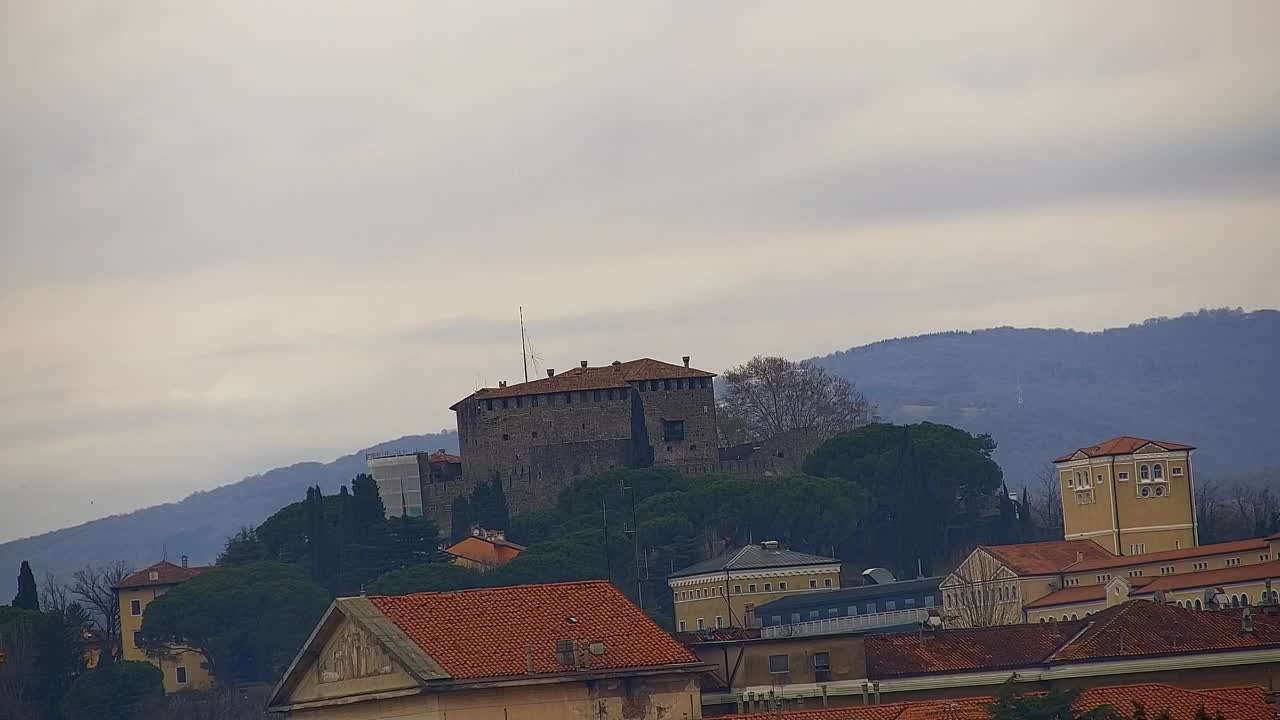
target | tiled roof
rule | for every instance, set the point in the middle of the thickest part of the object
(1113, 561)
(166, 574)
(753, 557)
(499, 632)
(1071, 596)
(1245, 703)
(594, 378)
(1047, 558)
(485, 550)
(1211, 578)
(1123, 445)
(1134, 629)
(948, 651)
(440, 456)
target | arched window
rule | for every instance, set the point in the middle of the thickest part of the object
(1198, 605)
(1144, 472)
(1235, 601)
(1157, 472)
(1041, 619)
(1064, 618)
(1244, 599)
(1074, 617)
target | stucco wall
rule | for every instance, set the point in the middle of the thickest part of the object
(197, 676)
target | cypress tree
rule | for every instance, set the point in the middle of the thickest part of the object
(366, 504)
(27, 597)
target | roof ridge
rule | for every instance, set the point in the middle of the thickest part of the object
(1053, 655)
(592, 581)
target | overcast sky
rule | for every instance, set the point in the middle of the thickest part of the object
(239, 235)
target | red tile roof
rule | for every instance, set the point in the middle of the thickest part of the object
(1212, 578)
(1081, 594)
(1123, 445)
(1047, 558)
(440, 456)
(619, 375)
(485, 550)
(498, 632)
(166, 574)
(1134, 629)
(1245, 703)
(1114, 561)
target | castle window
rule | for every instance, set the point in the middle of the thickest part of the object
(1144, 472)
(582, 395)
(533, 400)
(672, 430)
(1157, 472)
(1176, 471)
(505, 404)
(679, 384)
(568, 398)
(519, 401)
(666, 384)
(506, 436)
(488, 404)
(597, 396)
(535, 434)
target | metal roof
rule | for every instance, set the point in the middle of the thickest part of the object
(752, 557)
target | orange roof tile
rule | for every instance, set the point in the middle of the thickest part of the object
(1047, 558)
(1123, 445)
(619, 375)
(485, 550)
(1246, 703)
(498, 632)
(166, 574)
(1114, 561)
(1071, 596)
(1211, 578)
(1134, 629)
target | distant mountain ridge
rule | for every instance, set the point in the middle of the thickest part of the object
(1209, 379)
(196, 526)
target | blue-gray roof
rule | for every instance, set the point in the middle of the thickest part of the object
(753, 557)
(850, 596)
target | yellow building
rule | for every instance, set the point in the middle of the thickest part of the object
(185, 670)
(725, 590)
(534, 652)
(1130, 495)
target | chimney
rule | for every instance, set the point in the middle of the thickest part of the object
(686, 360)
(617, 366)
(502, 383)
(551, 372)
(1246, 621)
(184, 561)
(582, 363)
(1079, 556)
(1160, 598)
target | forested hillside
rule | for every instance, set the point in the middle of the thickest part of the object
(198, 525)
(1210, 379)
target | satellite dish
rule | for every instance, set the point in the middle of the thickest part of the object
(878, 576)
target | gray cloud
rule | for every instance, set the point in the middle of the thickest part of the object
(237, 236)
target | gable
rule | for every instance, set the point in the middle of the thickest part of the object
(350, 662)
(1149, 448)
(980, 566)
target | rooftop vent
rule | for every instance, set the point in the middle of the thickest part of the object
(582, 363)
(686, 360)
(551, 372)
(770, 545)
(1246, 621)
(878, 576)
(596, 648)
(565, 653)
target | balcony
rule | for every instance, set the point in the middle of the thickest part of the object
(853, 623)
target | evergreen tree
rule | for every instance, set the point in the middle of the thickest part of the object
(461, 516)
(27, 598)
(321, 549)
(1026, 529)
(1005, 529)
(366, 504)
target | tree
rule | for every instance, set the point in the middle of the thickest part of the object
(427, 578)
(366, 502)
(460, 518)
(769, 396)
(245, 621)
(1053, 705)
(113, 691)
(1005, 529)
(27, 598)
(242, 548)
(95, 585)
(42, 658)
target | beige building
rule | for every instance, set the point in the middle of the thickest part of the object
(1130, 495)
(184, 669)
(572, 651)
(725, 590)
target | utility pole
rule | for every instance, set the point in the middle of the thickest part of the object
(524, 347)
(635, 539)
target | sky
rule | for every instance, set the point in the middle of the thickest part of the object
(237, 235)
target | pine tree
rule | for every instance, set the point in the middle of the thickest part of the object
(461, 516)
(27, 598)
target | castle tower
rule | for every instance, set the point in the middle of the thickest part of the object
(1129, 495)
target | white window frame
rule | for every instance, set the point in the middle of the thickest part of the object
(1122, 476)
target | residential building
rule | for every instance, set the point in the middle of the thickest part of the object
(1137, 641)
(725, 590)
(484, 550)
(1173, 703)
(406, 479)
(1130, 495)
(183, 669)
(993, 585)
(535, 652)
(872, 607)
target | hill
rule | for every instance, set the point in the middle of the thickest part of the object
(197, 525)
(1210, 379)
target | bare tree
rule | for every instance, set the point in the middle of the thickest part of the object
(53, 595)
(1209, 511)
(769, 396)
(1046, 505)
(981, 592)
(95, 587)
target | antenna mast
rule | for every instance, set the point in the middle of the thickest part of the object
(524, 347)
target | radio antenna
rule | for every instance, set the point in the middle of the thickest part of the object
(524, 347)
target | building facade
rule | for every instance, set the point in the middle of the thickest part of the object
(484, 550)
(184, 670)
(1130, 495)
(725, 591)
(536, 437)
(535, 652)
(418, 483)
(866, 608)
